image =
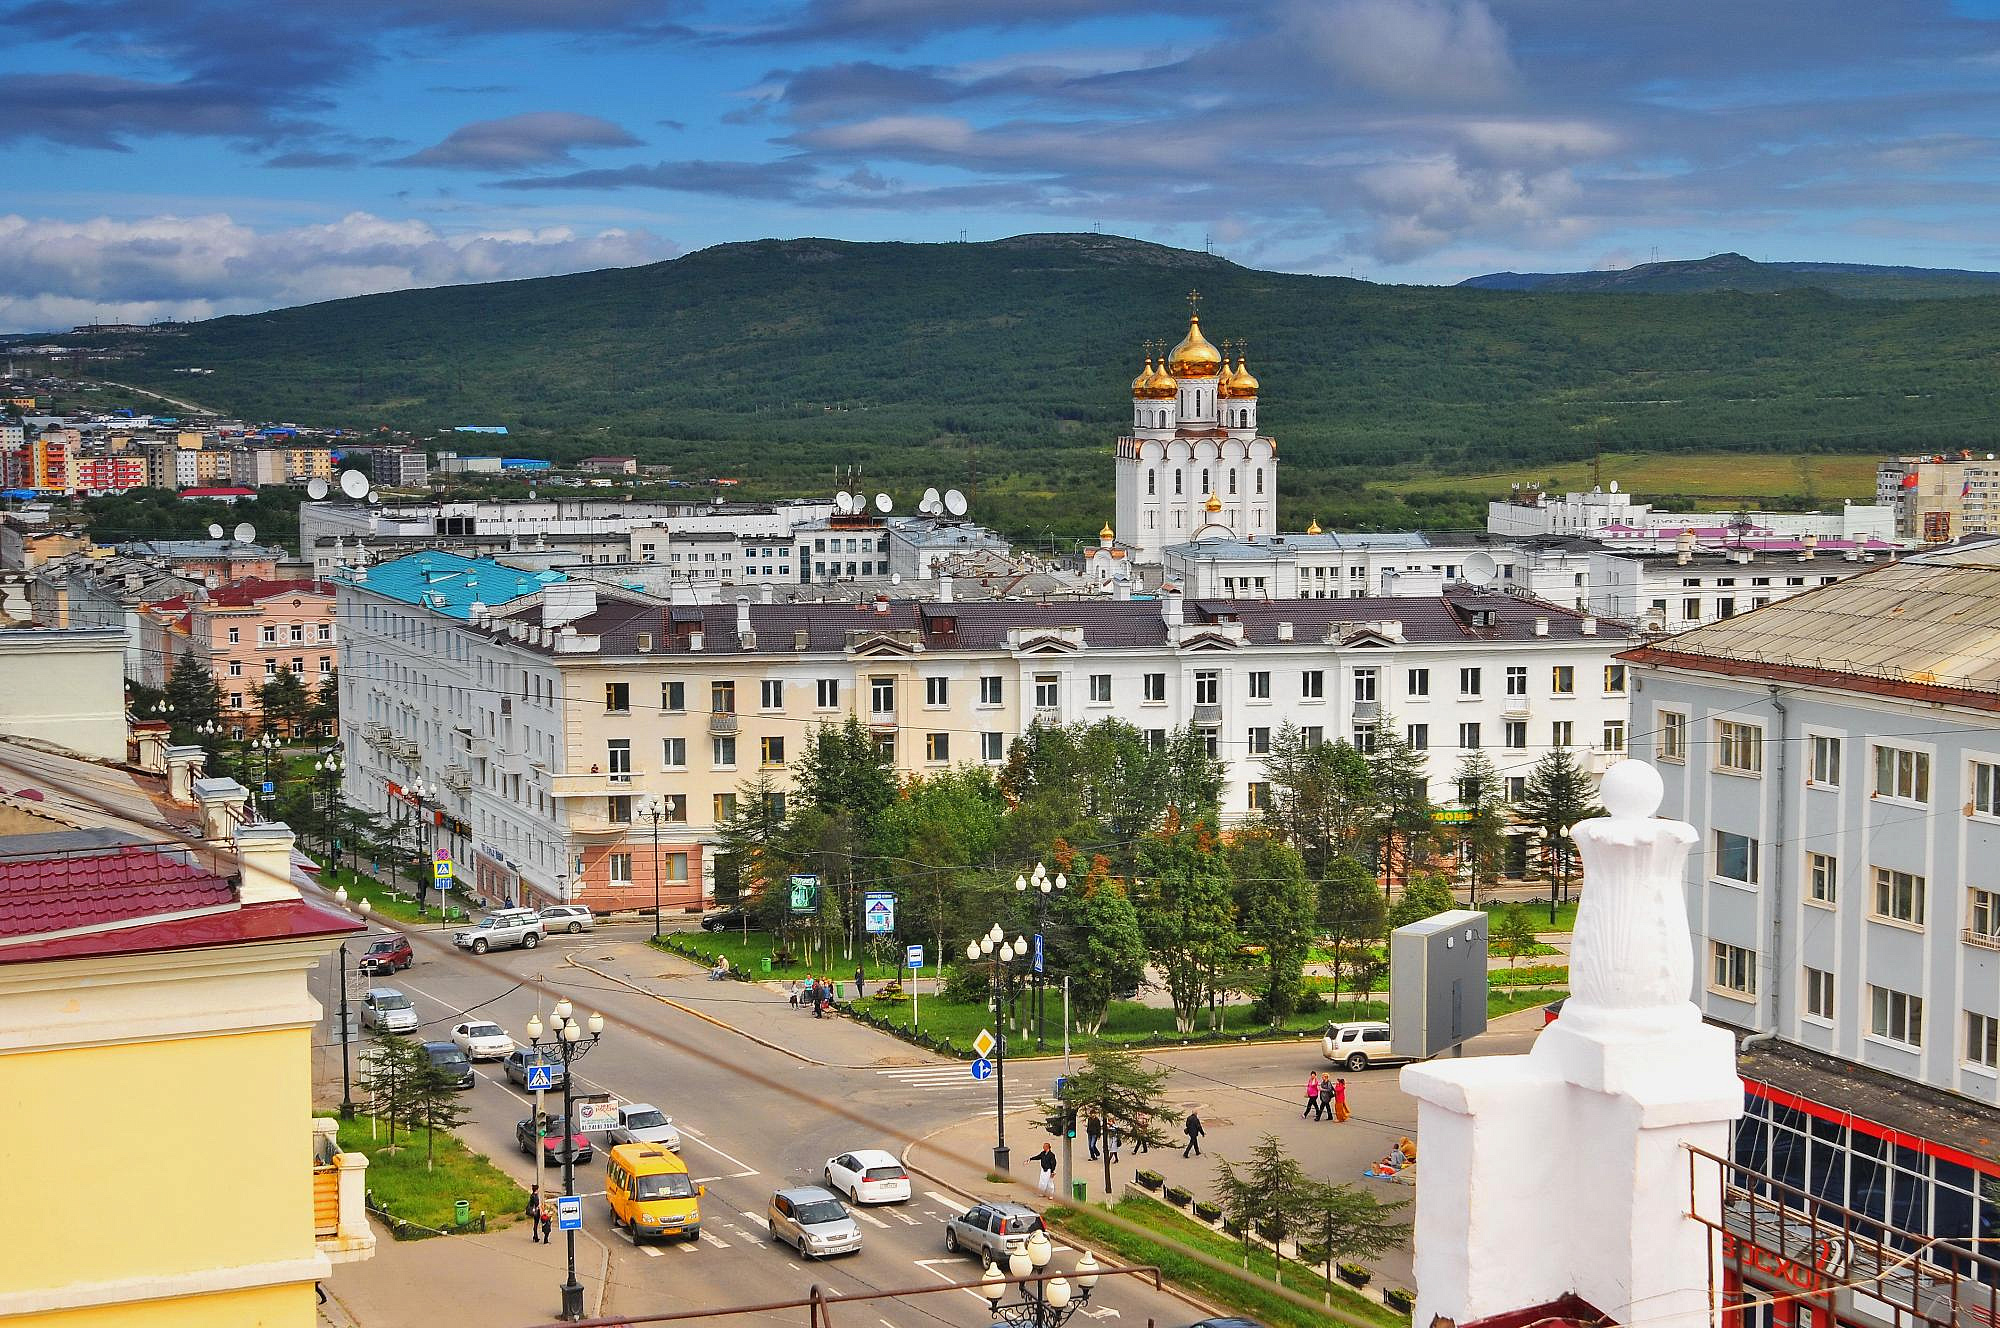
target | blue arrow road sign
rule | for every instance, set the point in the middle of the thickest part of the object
(1038, 952)
(982, 1068)
(270, 787)
(541, 1077)
(569, 1212)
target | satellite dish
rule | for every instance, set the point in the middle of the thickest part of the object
(245, 533)
(1480, 569)
(930, 503)
(1614, 486)
(857, 501)
(316, 488)
(354, 484)
(884, 503)
(895, 578)
(215, 532)
(841, 503)
(374, 497)
(954, 502)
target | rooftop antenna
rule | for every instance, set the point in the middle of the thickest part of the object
(316, 488)
(954, 502)
(884, 504)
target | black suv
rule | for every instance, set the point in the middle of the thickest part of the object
(723, 921)
(452, 1060)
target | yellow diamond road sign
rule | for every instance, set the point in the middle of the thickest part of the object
(984, 1044)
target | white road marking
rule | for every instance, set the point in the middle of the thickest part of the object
(703, 1180)
(748, 1170)
(885, 1323)
(652, 1251)
(759, 1220)
(907, 1220)
(719, 1244)
(687, 1246)
(930, 1266)
(870, 1218)
(952, 1204)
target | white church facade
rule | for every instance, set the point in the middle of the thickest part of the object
(1194, 462)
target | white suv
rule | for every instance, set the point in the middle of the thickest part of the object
(499, 931)
(1358, 1046)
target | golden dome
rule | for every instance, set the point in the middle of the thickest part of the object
(1107, 533)
(1214, 504)
(1144, 380)
(1194, 357)
(1241, 383)
(1163, 387)
(1313, 529)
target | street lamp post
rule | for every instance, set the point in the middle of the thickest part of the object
(568, 1042)
(1562, 870)
(1007, 953)
(346, 1035)
(427, 795)
(329, 771)
(1047, 1302)
(1043, 886)
(652, 809)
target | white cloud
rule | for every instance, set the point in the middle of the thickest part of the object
(1421, 206)
(57, 273)
(1439, 50)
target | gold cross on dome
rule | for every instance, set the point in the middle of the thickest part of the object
(1194, 303)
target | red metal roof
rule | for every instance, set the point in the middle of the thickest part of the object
(294, 919)
(255, 590)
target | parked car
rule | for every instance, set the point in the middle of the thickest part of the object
(515, 1066)
(452, 1060)
(644, 1123)
(388, 1010)
(501, 930)
(868, 1175)
(813, 1222)
(725, 920)
(482, 1041)
(1359, 1045)
(548, 1127)
(992, 1231)
(386, 954)
(571, 918)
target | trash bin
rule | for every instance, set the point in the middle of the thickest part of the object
(1079, 1190)
(765, 963)
(462, 1210)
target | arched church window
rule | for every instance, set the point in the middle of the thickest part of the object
(1232, 479)
(1152, 478)
(1204, 479)
(1177, 481)
(1260, 479)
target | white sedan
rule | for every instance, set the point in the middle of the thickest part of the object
(868, 1176)
(482, 1041)
(644, 1123)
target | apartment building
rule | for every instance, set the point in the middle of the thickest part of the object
(1605, 511)
(1839, 754)
(247, 633)
(1672, 591)
(1318, 565)
(549, 721)
(1936, 499)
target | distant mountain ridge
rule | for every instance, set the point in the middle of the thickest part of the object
(1734, 272)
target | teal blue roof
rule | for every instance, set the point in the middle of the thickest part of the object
(449, 584)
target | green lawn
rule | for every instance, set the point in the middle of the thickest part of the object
(746, 954)
(383, 903)
(1231, 1288)
(403, 1186)
(1565, 917)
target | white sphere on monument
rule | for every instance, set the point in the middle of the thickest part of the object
(1632, 790)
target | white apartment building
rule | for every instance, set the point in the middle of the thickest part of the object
(1602, 511)
(1672, 592)
(548, 715)
(1317, 565)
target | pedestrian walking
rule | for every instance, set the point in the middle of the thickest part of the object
(1192, 1129)
(792, 993)
(1340, 1111)
(1325, 1104)
(1047, 1184)
(860, 978)
(1139, 1144)
(1094, 1129)
(1312, 1095)
(819, 999)
(548, 1219)
(533, 1212)
(1111, 1139)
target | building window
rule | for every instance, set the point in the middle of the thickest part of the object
(1364, 739)
(620, 868)
(1902, 774)
(1822, 879)
(1825, 761)
(618, 810)
(1691, 608)
(1100, 688)
(298, 632)
(270, 668)
(1899, 896)
(1614, 680)
(674, 808)
(827, 693)
(1260, 685)
(235, 668)
(989, 691)
(1733, 969)
(1364, 685)
(674, 753)
(1819, 993)
(774, 807)
(1736, 857)
(1258, 742)
(1260, 795)
(1417, 737)
(1419, 681)
(268, 634)
(1896, 1015)
(937, 691)
(771, 694)
(1517, 788)
(1208, 687)
(1982, 915)
(1514, 734)
(937, 747)
(722, 697)
(992, 746)
(617, 697)
(1177, 481)
(771, 751)
(885, 748)
(1985, 788)
(673, 696)
(722, 752)
(1614, 735)
(1048, 691)
(235, 636)
(1469, 682)
(1312, 735)
(1156, 688)
(1468, 736)
(618, 760)
(1982, 1040)
(1739, 748)
(1562, 679)
(1152, 481)
(1517, 680)
(326, 631)
(1312, 685)
(1670, 744)
(1562, 733)
(723, 810)
(882, 696)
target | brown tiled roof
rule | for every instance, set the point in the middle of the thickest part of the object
(62, 891)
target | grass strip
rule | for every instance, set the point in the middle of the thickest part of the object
(404, 1188)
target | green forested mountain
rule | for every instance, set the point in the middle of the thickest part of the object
(1005, 367)
(1734, 272)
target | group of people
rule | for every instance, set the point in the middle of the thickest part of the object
(1404, 1154)
(541, 1215)
(815, 994)
(1325, 1095)
(1109, 1139)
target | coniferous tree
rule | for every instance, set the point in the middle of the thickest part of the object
(1116, 1086)
(1402, 791)
(1482, 793)
(1559, 793)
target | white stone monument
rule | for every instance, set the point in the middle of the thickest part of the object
(1565, 1172)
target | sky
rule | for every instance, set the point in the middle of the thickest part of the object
(187, 158)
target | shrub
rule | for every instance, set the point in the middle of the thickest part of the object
(1206, 1211)
(1310, 1002)
(1312, 1255)
(1398, 1299)
(1149, 1180)
(1179, 1197)
(1233, 1228)
(1267, 1231)
(1354, 1274)
(967, 984)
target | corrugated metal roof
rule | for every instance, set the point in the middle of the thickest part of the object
(450, 584)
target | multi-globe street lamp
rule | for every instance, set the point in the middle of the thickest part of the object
(568, 1042)
(995, 946)
(328, 767)
(653, 809)
(1047, 1302)
(1042, 885)
(346, 1029)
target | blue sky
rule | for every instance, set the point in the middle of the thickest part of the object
(192, 157)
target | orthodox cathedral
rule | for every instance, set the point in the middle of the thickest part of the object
(1194, 464)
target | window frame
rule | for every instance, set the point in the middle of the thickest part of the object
(1823, 753)
(1734, 739)
(1670, 742)
(1753, 853)
(1884, 897)
(1819, 995)
(1732, 971)
(1822, 875)
(1884, 1023)
(1902, 775)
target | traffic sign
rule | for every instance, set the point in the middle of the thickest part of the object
(913, 956)
(569, 1212)
(541, 1078)
(878, 913)
(982, 1068)
(441, 870)
(1038, 952)
(270, 787)
(982, 1046)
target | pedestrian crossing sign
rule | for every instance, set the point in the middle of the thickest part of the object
(982, 1046)
(441, 869)
(541, 1078)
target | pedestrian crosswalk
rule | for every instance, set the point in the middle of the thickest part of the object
(938, 1078)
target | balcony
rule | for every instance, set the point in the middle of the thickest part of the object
(340, 1192)
(1208, 716)
(596, 784)
(1985, 940)
(1515, 707)
(1365, 711)
(883, 720)
(457, 778)
(722, 724)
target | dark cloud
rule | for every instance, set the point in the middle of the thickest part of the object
(902, 22)
(101, 111)
(300, 161)
(520, 142)
(676, 125)
(767, 180)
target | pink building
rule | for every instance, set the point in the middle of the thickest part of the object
(248, 632)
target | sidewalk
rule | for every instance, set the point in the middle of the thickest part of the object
(434, 1281)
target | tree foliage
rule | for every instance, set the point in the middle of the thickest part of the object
(1322, 796)
(1121, 1090)
(1275, 905)
(1188, 916)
